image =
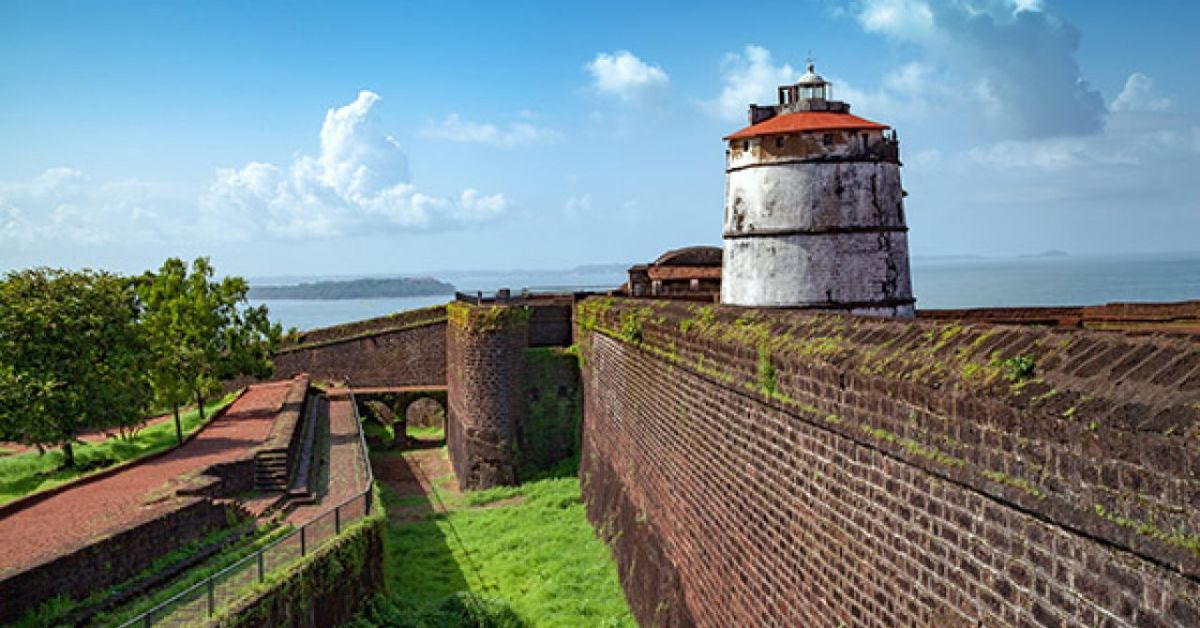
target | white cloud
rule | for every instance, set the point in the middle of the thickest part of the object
(455, 129)
(1015, 61)
(578, 206)
(63, 205)
(909, 18)
(1056, 154)
(748, 77)
(1140, 94)
(627, 77)
(357, 183)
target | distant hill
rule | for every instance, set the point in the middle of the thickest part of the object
(355, 289)
(1047, 254)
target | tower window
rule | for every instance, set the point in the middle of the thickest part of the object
(746, 145)
(828, 139)
(779, 141)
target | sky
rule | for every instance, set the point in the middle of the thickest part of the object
(302, 138)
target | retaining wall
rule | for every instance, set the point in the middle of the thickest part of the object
(784, 468)
(405, 349)
(328, 588)
(111, 560)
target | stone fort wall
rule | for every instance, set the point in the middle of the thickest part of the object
(784, 468)
(405, 349)
(484, 386)
(513, 397)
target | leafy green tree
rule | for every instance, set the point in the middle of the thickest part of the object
(203, 332)
(72, 356)
(172, 332)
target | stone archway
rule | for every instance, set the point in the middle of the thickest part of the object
(423, 409)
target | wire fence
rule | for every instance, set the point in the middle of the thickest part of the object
(201, 601)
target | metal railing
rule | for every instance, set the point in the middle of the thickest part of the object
(202, 600)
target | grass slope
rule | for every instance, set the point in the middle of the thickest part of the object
(512, 556)
(22, 474)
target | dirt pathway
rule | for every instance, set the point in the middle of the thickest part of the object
(412, 475)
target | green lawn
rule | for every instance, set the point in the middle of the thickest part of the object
(513, 556)
(433, 432)
(22, 474)
(375, 430)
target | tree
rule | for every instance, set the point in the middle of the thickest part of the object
(203, 332)
(172, 334)
(72, 356)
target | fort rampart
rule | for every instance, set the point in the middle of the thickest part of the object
(405, 349)
(484, 386)
(783, 468)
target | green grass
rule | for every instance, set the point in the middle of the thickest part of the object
(434, 432)
(26, 473)
(531, 561)
(374, 429)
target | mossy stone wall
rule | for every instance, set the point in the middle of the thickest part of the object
(819, 469)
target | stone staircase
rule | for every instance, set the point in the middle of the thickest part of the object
(271, 470)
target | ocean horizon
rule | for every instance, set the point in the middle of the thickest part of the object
(948, 282)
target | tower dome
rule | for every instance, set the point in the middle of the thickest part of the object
(814, 210)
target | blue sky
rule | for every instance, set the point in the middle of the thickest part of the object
(300, 138)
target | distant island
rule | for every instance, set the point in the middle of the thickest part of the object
(355, 289)
(1047, 254)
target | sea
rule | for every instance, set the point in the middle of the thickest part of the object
(938, 283)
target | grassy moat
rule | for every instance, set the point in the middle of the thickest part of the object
(510, 556)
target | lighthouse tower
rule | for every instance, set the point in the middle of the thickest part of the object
(814, 211)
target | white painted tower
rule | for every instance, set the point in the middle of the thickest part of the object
(814, 210)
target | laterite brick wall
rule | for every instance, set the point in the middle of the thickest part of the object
(110, 560)
(484, 379)
(406, 349)
(794, 469)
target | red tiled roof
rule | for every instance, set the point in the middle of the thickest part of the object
(806, 121)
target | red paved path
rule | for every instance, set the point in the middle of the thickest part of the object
(79, 516)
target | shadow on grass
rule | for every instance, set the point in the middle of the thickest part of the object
(427, 586)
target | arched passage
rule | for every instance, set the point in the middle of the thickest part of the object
(420, 419)
(387, 416)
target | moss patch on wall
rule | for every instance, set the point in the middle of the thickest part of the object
(549, 428)
(325, 588)
(480, 319)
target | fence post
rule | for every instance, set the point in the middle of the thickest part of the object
(146, 618)
(367, 501)
(211, 603)
(261, 571)
(302, 541)
(337, 520)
